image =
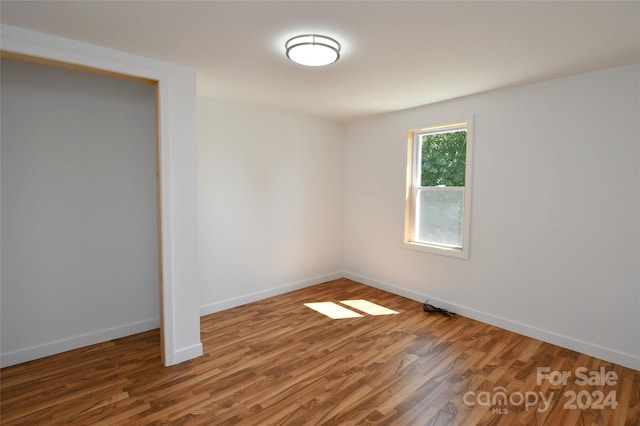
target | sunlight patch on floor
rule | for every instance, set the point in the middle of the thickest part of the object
(332, 310)
(335, 311)
(368, 307)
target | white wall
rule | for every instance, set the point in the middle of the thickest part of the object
(555, 239)
(178, 173)
(79, 241)
(270, 202)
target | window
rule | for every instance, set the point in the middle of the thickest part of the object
(439, 189)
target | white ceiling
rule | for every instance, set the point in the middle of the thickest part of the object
(395, 55)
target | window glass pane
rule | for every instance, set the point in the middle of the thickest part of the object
(439, 218)
(443, 158)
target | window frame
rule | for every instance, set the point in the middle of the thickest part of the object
(413, 188)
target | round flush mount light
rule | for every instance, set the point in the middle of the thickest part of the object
(313, 50)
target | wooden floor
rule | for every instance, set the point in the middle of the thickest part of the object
(277, 362)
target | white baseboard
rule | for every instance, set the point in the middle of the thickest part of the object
(51, 348)
(275, 291)
(185, 354)
(617, 357)
(58, 346)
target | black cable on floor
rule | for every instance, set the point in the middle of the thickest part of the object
(430, 308)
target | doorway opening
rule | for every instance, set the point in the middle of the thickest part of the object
(60, 174)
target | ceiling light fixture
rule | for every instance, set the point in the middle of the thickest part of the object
(313, 50)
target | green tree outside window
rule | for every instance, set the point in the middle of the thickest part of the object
(444, 159)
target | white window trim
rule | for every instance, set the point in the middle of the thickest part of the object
(411, 191)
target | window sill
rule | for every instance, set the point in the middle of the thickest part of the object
(459, 253)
